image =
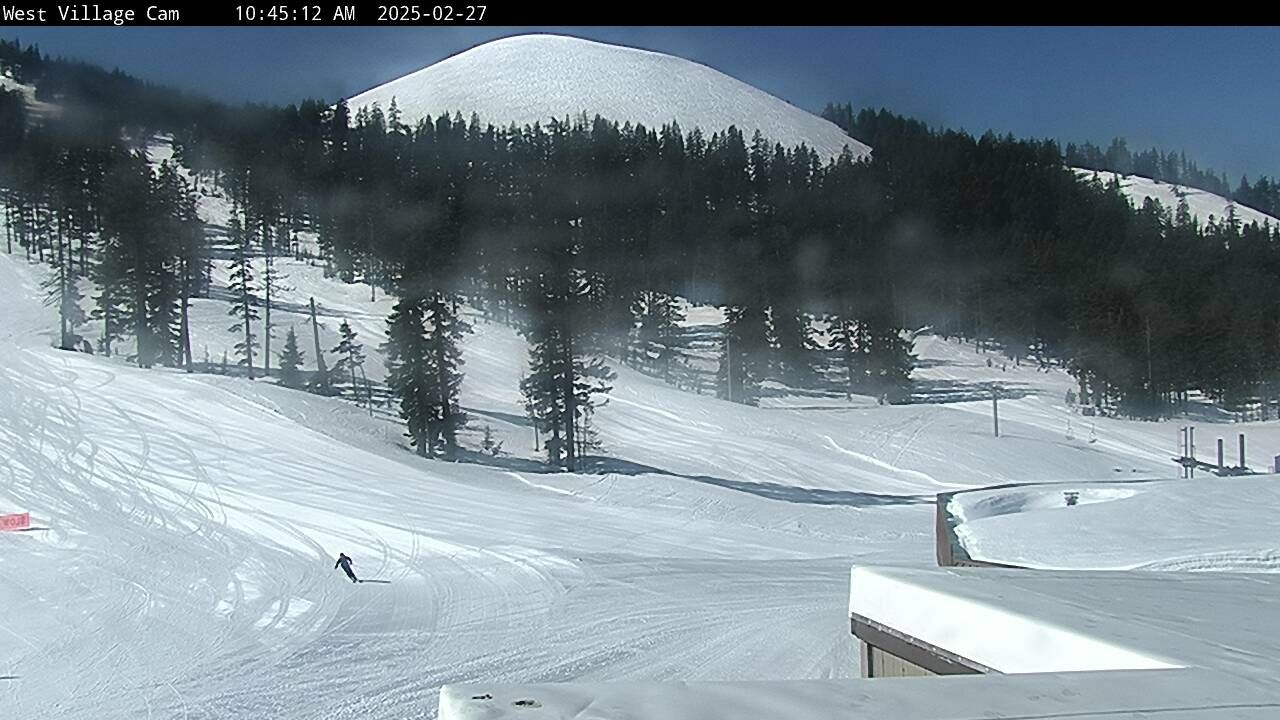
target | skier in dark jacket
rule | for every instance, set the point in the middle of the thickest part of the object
(344, 562)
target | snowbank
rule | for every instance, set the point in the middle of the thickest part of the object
(1206, 523)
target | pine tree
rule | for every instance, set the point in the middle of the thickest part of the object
(242, 288)
(1182, 217)
(272, 283)
(350, 354)
(544, 401)
(410, 375)
(291, 362)
(184, 232)
(889, 359)
(744, 352)
(138, 270)
(852, 343)
(68, 213)
(792, 357)
(489, 444)
(657, 317)
(445, 328)
(566, 374)
(62, 291)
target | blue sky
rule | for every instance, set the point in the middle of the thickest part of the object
(1213, 92)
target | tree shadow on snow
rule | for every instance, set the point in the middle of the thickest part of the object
(600, 465)
(813, 496)
(512, 418)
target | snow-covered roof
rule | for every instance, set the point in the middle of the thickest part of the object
(1085, 645)
(1025, 621)
(1206, 523)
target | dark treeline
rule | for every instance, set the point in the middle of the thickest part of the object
(583, 232)
(81, 198)
(1143, 305)
(1169, 167)
(1165, 167)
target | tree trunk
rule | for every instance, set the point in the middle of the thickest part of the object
(140, 330)
(106, 331)
(321, 372)
(354, 387)
(266, 315)
(248, 333)
(442, 382)
(185, 327)
(571, 409)
(64, 339)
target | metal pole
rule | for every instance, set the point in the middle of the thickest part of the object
(995, 411)
(1151, 386)
(1242, 465)
(1219, 454)
(1182, 451)
(728, 358)
(1191, 449)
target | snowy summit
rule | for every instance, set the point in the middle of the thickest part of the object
(533, 78)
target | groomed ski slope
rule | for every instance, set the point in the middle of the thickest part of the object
(188, 571)
(527, 79)
(193, 521)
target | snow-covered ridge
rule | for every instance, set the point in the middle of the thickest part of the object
(533, 78)
(28, 92)
(1201, 203)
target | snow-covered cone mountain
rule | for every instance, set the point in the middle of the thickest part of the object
(532, 78)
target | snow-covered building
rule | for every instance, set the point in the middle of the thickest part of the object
(1026, 631)
(1032, 644)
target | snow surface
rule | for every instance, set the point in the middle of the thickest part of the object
(187, 568)
(529, 79)
(194, 520)
(1202, 203)
(1174, 694)
(1059, 644)
(1206, 523)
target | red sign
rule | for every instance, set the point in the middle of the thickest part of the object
(19, 521)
